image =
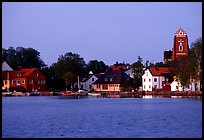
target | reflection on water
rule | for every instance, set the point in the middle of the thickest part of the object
(52, 117)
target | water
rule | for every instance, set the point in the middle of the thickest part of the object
(51, 117)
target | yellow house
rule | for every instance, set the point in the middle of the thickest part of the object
(111, 80)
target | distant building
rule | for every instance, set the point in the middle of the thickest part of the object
(156, 79)
(180, 46)
(127, 68)
(29, 78)
(86, 83)
(111, 80)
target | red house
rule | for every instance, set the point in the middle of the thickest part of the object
(29, 78)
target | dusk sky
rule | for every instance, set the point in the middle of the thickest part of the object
(105, 31)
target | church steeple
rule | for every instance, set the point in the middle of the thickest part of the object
(180, 47)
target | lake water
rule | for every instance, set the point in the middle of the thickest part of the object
(51, 117)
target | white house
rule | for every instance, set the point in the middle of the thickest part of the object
(86, 83)
(176, 86)
(156, 78)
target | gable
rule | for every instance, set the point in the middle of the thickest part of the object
(5, 67)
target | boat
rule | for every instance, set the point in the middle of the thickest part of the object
(68, 94)
(94, 94)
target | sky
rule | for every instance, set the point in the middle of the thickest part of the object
(103, 31)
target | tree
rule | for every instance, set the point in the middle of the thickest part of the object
(180, 68)
(196, 59)
(24, 57)
(96, 66)
(69, 66)
(138, 72)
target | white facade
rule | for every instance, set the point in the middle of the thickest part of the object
(176, 86)
(87, 85)
(149, 81)
(5, 67)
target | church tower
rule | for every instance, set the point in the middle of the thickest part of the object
(180, 47)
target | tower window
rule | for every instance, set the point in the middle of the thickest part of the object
(180, 48)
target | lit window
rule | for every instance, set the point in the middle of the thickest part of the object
(18, 82)
(38, 81)
(106, 79)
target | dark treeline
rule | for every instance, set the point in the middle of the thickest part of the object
(69, 66)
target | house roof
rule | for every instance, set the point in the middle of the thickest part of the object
(120, 67)
(112, 77)
(84, 79)
(158, 71)
(25, 72)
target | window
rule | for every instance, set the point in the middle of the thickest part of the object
(155, 86)
(42, 81)
(105, 87)
(146, 73)
(106, 79)
(23, 81)
(5, 82)
(111, 79)
(149, 80)
(149, 86)
(18, 82)
(98, 86)
(38, 82)
(92, 79)
(36, 74)
(180, 48)
(18, 74)
(90, 86)
(12, 82)
(31, 82)
(144, 86)
(144, 80)
(155, 79)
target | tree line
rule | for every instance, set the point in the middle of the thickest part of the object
(69, 66)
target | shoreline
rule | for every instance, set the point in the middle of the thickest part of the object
(117, 94)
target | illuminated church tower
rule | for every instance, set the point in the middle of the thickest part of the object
(180, 47)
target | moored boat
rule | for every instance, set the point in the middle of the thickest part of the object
(94, 94)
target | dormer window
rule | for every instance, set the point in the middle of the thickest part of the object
(18, 74)
(36, 74)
